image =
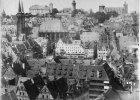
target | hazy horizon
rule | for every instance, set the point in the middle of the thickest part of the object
(11, 6)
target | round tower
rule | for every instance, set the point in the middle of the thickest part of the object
(51, 7)
(125, 5)
(73, 5)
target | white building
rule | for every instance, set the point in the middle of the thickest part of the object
(71, 50)
(102, 53)
(39, 9)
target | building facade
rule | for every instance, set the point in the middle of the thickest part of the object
(70, 50)
(39, 9)
(21, 91)
(119, 10)
(102, 53)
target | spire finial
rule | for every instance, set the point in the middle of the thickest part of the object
(22, 9)
(19, 8)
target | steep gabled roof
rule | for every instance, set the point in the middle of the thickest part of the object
(39, 82)
(31, 89)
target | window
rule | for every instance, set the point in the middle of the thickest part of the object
(43, 96)
(47, 96)
(100, 74)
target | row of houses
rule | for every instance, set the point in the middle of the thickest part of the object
(75, 50)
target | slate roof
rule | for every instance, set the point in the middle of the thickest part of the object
(9, 74)
(21, 47)
(39, 82)
(17, 68)
(31, 89)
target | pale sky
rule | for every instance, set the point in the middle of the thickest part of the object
(11, 6)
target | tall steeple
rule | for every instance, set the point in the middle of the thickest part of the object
(19, 8)
(22, 9)
(3, 14)
(21, 20)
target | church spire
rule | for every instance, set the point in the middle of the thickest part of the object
(22, 9)
(19, 8)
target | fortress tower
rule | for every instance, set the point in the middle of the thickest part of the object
(73, 5)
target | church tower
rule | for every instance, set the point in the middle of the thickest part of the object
(3, 14)
(20, 20)
(125, 7)
(73, 5)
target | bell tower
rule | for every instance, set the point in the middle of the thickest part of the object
(20, 20)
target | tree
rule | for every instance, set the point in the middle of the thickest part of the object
(54, 11)
(101, 16)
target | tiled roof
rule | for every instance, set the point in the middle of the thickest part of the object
(3, 82)
(84, 71)
(15, 50)
(52, 25)
(27, 45)
(21, 47)
(9, 96)
(31, 89)
(126, 41)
